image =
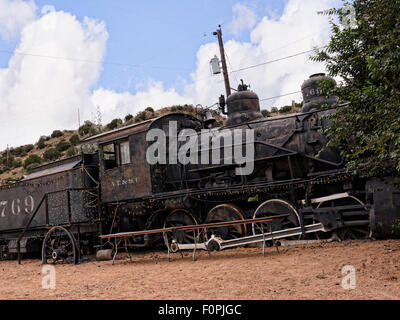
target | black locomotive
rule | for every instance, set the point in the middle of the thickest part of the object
(61, 208)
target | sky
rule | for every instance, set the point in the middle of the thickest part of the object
(121, 56)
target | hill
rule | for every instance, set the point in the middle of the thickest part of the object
(15, 163)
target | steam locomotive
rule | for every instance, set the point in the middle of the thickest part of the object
(60, 209)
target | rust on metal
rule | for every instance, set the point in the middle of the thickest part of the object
(194, 227)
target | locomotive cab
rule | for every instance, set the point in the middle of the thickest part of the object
(125, 172)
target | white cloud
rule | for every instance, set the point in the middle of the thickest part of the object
(14, 15)
(298, 29)
(243, 18)
(114, 105)
(38, 95)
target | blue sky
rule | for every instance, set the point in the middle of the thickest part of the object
(161, 36)
(122, 56)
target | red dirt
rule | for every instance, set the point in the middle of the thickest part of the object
(302, 272)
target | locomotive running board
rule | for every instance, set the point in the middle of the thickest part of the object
(217, 244)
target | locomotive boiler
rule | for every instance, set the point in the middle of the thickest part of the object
(62, 208)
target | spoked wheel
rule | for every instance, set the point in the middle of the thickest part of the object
(272, 208)
(59, 246)
(179, 218)
(350, 233)
(226, 213)
(3, 252)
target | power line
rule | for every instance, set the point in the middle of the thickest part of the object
(268, 62)
(283, 95)
(276, 60)
(293, 42)
(90, 61)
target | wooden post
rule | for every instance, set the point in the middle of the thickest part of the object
(223, 60)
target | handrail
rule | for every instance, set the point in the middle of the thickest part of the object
(26, 228)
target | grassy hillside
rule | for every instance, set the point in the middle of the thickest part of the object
(17, 162)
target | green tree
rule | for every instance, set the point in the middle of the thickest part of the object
(285, 109)
(29, 148)
(51, 154)
(41, 143)
(128, 117)
(366, 55)
(141, 116)
(18, 152)
(72, 151)
(74, 140)
(57, 134)
(116, 123)
(17, 163)
(30, 167)
(63, 145)
(32, 159)
(266, 113)
(88, 128)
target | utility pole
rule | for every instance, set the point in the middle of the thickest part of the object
(79, 119)
(8, 153)
(223, 60)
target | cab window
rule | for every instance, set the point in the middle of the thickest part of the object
(125, 153)
(109, 156)
(116, 154)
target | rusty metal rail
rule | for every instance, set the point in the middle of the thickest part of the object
(119, 237)
(194, 227)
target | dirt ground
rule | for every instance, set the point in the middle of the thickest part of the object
(301, 272)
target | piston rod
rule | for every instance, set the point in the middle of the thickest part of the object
(219, 244)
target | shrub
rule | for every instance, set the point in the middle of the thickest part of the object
(285, 109)
(32, 159)
(114, 124)
(72, 151)
(150, 109)
(63, 145)
(17, 164)
(28, 148)
(274, 110)
(57, 134)
(141, 116)
(19, 151)
(41, 143)
(74, 140)
(266, 113)
(51, 154)
(30, 167)
(128, 117)
(8, 163)
(87, 128)
(22, 150)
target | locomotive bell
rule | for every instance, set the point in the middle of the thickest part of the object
(209, 119)
(243, 106)
(313, 94)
